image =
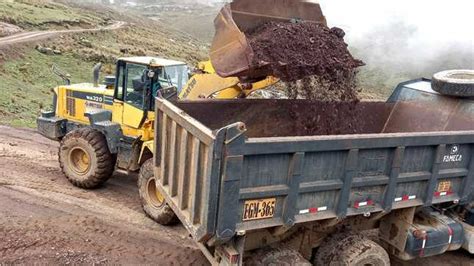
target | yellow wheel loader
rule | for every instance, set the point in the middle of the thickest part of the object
(113, 122)
(111, 126)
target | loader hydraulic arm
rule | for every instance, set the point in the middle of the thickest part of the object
(232, 71)
(206, 83)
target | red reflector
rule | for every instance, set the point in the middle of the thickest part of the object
(359, 204)
(234, 259)
(313, 210)
(450, 231)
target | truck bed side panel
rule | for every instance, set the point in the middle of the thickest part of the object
(315, 178)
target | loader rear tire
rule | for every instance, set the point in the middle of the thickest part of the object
(85, 158)
(351, 250)
(459, 83)
(276, 256)
(153, 202)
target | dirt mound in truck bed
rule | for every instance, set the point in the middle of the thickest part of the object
(290, 118)
(310, 52)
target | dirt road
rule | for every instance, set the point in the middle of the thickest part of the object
(46, 220)
(40, 35)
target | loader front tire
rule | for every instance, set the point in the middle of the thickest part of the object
(153, 202)
(85, 158)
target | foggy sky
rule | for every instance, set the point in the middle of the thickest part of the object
(413, 35)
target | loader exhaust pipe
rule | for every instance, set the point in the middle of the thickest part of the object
(96, 72)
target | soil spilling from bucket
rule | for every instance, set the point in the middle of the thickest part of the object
(310, 53)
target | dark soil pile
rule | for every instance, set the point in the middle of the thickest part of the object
(294, 51)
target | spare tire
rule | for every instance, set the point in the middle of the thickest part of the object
(458, 83)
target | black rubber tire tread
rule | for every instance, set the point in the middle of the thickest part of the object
(351, 250)
(163, 215)
(276, 256)
(102, 161)
(442, 83)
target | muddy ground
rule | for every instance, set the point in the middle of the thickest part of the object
(45, 220)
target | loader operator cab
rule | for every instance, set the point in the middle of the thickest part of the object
(140, 78)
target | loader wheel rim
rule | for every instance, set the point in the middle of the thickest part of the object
(154, 197)
(79, 160)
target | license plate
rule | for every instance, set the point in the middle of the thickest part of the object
(259, 209)
(444, 186)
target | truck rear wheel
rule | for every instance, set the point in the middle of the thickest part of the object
(85, 158)
(276, 256)
(351, 250)
(153, 202)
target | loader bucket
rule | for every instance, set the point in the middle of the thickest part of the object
(231, 54)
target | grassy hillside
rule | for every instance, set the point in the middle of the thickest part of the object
(37, 14)
(26, 84)
(26, 79)
(191, 17)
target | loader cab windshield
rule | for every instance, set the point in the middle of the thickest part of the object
(173, 76)
(138, 84)
(133, 83)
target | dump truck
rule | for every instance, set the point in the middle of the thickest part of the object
(255, 180)
(295, 181)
